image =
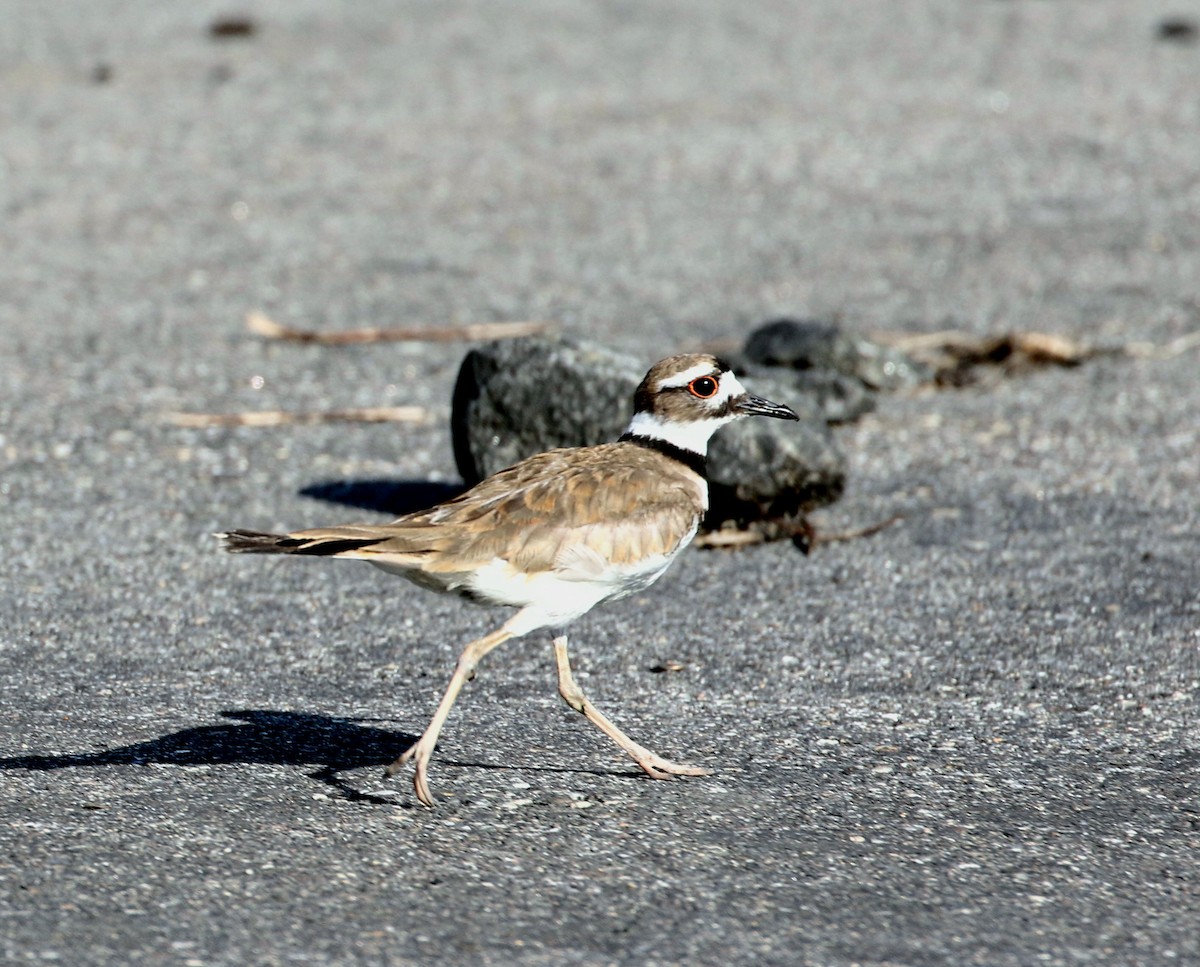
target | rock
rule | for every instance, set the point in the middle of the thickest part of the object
(887, 368)
(808, 345)
(764, 472)
(840, 399)
(802, 344)
(518, 397)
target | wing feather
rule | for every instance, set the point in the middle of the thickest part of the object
(568, 510)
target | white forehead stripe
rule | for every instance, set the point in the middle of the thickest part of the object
(682, 379)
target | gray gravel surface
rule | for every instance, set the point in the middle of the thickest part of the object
(971, 739)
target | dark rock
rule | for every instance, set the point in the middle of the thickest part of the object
(517, 397)
(1180, 30)
(802, 344)
(841, 399)
(765, 470)
(808, 345)
(232, 26)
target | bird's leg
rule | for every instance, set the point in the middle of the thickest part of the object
(422, 749)
(653, 765)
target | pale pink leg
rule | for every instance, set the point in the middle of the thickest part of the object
(653, 765)
(423, 748)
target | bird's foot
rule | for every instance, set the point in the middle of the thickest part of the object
(656, 767)
(419, 752)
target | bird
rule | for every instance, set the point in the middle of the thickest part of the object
(556, 534)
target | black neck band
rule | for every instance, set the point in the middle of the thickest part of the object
(696, 462)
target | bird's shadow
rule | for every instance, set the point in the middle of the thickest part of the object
(334, 744)
(395, 497)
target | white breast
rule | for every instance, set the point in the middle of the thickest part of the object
(579, 581)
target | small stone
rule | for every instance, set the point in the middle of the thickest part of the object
(1178, 30)
(232, 26)
(802, 344)
(809, 345)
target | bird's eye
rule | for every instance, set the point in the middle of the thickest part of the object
(703, 387)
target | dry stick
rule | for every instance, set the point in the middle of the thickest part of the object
(1037, 345)
(261, 325)
(368, 414)
(957, 340)
(258, 322)
(836, 536)
(729, 538)
(961, 346)
(1177, 347)
(744, 538)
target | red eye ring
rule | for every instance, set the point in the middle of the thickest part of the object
(704, 387)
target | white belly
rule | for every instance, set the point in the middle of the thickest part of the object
(579, 581)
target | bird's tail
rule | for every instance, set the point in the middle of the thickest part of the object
(253, 542)
(328, 542)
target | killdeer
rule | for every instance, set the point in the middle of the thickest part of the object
(557, 534)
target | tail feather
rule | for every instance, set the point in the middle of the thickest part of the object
(254, 542)
(259, 542)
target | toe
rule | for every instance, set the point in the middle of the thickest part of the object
(421, 786)
(677, 769)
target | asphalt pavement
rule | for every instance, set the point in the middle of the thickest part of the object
(972, 738)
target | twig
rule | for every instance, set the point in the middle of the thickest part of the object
(803, 533)
(261, 325)
(1037, 347)
(1041, 347)
(368, 414)
(834, 537)
(1177, 347)
(729, 538)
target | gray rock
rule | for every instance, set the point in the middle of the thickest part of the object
(840, 399)
(518, 397)
(809, 345)
(761, 471)
(802, 344)
(887, 368)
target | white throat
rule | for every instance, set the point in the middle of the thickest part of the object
(693, 435)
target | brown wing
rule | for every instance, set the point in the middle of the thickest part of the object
(617, 502)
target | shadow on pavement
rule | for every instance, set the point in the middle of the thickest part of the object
(334, 744)
(280, 738)
(395, 497)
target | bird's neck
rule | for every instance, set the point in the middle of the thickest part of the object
(684, 442)
(692, 435)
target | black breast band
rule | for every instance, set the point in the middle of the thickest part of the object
(696, 462)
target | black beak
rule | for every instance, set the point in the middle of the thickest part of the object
(757, 406)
